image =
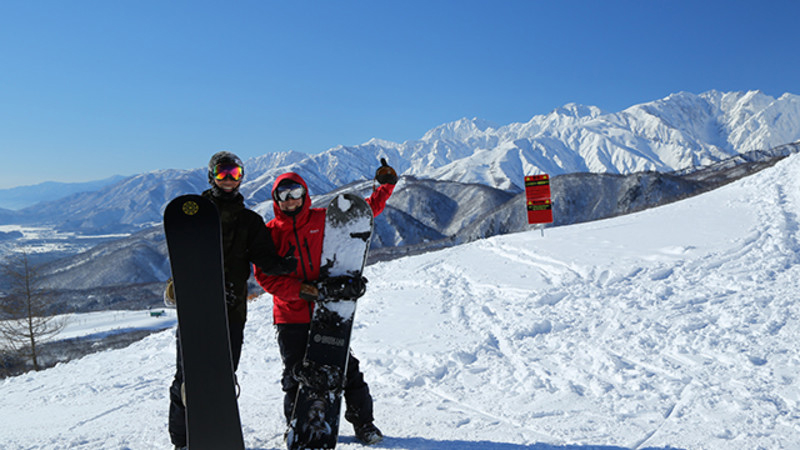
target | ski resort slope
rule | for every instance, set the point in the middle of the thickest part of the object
(674, 327)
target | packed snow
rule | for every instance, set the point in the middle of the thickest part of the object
(673, 327)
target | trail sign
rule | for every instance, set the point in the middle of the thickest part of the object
(540, 211)
(537, 187)
(537, 194)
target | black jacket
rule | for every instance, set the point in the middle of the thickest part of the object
(245, 240)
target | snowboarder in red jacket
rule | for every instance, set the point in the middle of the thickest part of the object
(300, 227)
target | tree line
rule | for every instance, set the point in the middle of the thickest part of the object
(25, 323)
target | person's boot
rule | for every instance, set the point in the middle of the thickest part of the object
(368, 433)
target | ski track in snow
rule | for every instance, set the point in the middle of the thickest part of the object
(673, 327)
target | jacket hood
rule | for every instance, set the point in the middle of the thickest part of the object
(280, 215)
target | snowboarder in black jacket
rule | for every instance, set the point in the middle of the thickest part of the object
(245, 240)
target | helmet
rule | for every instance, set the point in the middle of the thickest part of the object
(222, 157)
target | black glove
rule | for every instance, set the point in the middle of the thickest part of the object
(342, 287)
(385, 174)
(279, 265)
(288, 262)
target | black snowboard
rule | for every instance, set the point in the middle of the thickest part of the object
(315, 419)
(194, 240)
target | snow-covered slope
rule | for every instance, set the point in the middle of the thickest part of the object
(676, 326)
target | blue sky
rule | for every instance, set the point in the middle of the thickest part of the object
(90, 89)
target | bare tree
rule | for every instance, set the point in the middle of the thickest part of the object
(24, 309)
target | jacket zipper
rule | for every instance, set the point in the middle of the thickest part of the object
(299, 250)
(300, 253)
(308, 253)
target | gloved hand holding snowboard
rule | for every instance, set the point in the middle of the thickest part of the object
(339, 288)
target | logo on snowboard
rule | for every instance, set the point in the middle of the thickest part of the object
(329, 340)
(190, 208)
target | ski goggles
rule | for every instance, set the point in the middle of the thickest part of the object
(287, 191)
(232, 171)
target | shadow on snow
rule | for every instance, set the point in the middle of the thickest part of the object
(417, 443)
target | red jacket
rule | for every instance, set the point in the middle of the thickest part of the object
(303, 231)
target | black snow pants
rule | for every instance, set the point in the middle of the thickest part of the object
(177, 410)
(292, 339)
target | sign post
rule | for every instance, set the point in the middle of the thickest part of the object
(539, 204)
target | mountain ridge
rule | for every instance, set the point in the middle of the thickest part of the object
(20, 197)
(423, 216)
(678, 132)
(450, 191)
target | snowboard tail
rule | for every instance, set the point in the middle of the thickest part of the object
(194, 240)
(317, 408)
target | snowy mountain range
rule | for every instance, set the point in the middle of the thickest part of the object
(23, 196)
(459, 182)
(677, 132)
(423, 215)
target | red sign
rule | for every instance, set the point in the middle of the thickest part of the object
(540, 211)
(537, 187)
(537, 194)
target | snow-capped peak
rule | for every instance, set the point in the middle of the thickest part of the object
(578, 111)
(459, 130)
